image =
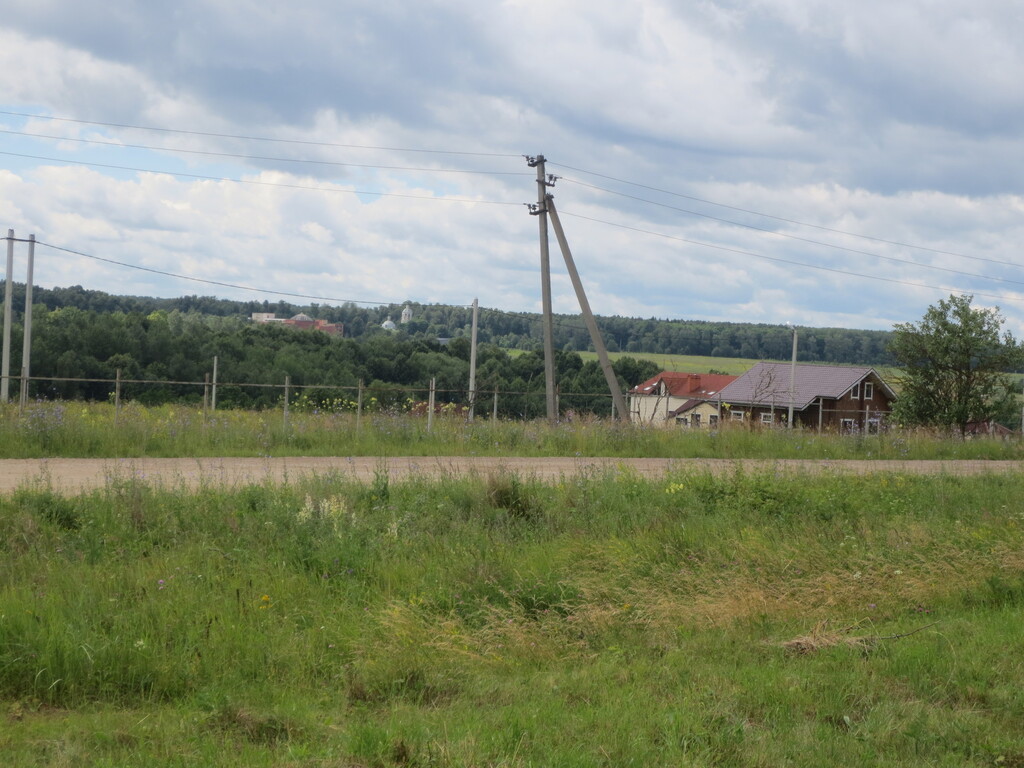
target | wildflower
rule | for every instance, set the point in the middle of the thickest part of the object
(160, 584)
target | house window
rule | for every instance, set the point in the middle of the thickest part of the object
(713, 420)
(869, 390)
(739, 415)
(855, 392)
(847, 425)
(695, 420)
(767, 418)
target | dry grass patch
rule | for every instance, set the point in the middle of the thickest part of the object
(822, 637)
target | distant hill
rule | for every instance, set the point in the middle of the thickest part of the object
(515, 330)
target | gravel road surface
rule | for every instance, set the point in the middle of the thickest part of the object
(76, 475)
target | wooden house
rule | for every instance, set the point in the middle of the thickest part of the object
(824, 397)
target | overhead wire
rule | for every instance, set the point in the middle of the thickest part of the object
(561, 320)
(261, 157)
(804, 239)
(509, 155)
(258, 182)
(493, 202)
(271, 291)
(780, 218)
(780, 260)
(304, 142)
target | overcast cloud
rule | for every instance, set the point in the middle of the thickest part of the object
(901, 121)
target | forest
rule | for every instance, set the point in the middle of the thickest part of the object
(84, 334)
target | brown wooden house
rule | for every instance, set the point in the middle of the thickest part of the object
(828, 397)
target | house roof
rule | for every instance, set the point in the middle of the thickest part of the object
(689, 405)
(697, 385)
(768, 384)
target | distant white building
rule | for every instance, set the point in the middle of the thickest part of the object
(266, 317)
(389, 324)
(406, 314)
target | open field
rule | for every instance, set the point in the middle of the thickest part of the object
(705, 363)
(755, 618)
(687, 363)
(90, 430)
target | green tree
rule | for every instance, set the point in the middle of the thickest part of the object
(954, 365)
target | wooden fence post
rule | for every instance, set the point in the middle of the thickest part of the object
(494, 412)
(213, 392)
(117, 396)
(430, 405)
(359, 407)
(287, 388)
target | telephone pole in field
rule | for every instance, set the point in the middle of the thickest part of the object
(540, 211)
(544, 207)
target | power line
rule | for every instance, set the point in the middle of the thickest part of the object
(273, 292)
(807, 240)
(781, 218)
(257, 182)
(258, 138)
(518, 173)
(791, 261)
(261, 157)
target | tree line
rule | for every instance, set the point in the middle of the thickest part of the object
(953, 363)
(520, 331)
(164, 347)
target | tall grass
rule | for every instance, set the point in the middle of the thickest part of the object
(601, 620)
(94, 430)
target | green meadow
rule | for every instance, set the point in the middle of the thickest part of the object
(685, 363)
(602, 620)
(95, 430)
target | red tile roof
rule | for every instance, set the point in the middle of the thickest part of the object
(701, 386)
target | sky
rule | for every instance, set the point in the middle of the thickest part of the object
(770, 161)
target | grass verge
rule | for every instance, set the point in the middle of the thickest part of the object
(600, 620)
(87, 430)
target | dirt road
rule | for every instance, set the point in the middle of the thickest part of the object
(75, 475)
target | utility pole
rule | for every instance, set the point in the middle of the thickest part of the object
(26, 345)
(540, 211)
(213, 392)
(5, 361)
(792, 381)
(588, 316)
(472, 360)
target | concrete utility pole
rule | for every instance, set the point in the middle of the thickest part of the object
(472, 360)
(792, 381)
(213, 392)
(588, 316)
(5, 361)
(540, 211)
(26, 345)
